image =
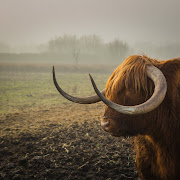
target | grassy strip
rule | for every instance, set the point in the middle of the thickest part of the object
(19, 90)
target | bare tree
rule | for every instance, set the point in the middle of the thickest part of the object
(76, 53)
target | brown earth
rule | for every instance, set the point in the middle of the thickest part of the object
(64, 142)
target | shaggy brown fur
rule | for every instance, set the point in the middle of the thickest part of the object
(157, 132)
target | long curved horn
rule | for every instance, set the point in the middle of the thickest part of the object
(158, 96)
(86, 100)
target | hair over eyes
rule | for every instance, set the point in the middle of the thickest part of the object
(131, 76)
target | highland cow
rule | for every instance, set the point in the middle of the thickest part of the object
(142, 98)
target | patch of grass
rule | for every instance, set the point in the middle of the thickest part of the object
(20, 90)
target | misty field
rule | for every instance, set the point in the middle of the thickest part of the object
(20, 90)
(44, 136)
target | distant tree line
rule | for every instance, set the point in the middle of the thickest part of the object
(87, 49)
(90, 49)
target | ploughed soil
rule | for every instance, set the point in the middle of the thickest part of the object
(64, 142)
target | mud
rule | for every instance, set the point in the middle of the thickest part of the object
(64, 142)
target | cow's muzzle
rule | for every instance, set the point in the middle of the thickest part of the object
(105, 123)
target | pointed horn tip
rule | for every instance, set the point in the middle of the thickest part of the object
(92, 81)
(53, 70)
(91, 78)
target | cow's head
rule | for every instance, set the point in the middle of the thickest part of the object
(134, 89)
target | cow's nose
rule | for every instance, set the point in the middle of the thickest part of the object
(105, 124)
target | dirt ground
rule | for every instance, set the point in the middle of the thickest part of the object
(62, 142)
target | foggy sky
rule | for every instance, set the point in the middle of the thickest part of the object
(37, 21)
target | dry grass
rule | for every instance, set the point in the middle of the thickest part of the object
(35, 120)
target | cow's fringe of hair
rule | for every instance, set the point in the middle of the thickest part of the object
(131, 75)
